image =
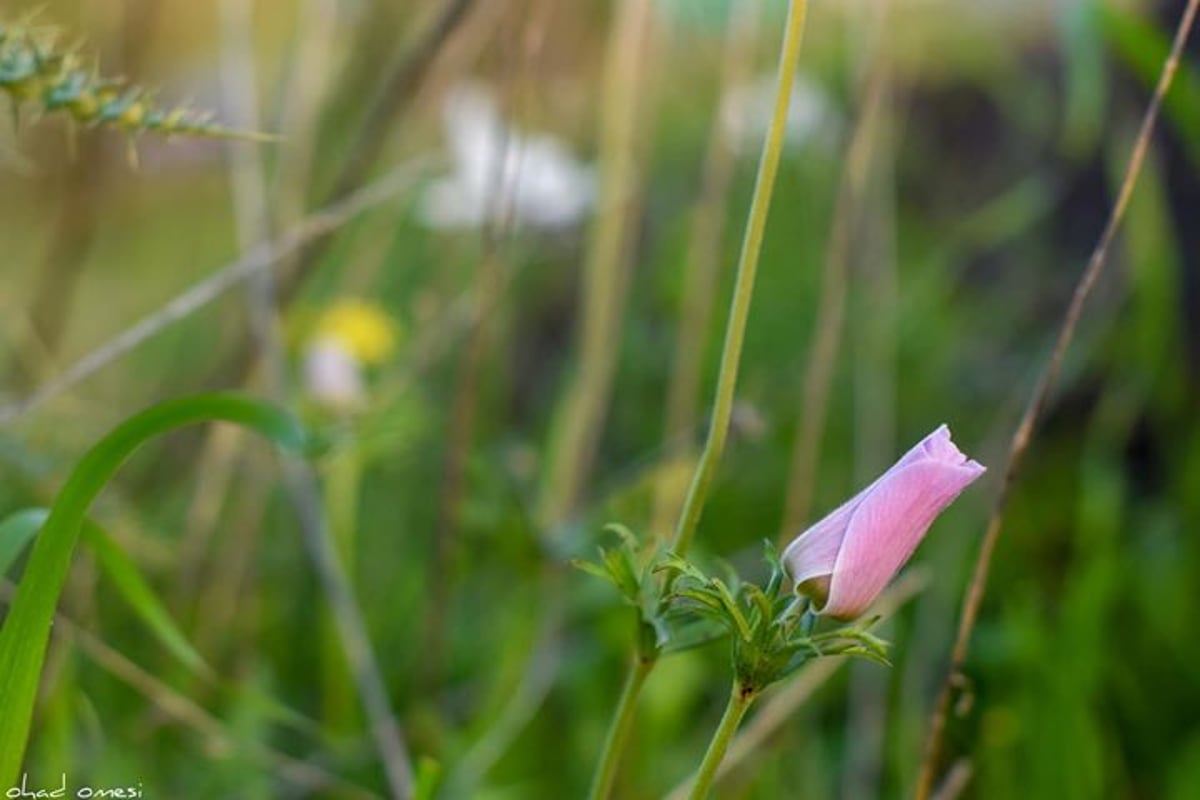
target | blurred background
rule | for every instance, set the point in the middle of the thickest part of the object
(513, 339)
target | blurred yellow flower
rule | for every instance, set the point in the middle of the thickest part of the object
(363, 329)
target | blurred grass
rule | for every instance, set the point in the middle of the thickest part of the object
(1009, 125)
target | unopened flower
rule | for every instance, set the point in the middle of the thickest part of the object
(844, 561)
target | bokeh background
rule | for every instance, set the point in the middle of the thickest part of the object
(519, 345)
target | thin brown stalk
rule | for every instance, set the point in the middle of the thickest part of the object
(297, 772)
(310, 72)
(1039, 399)
(217, 463)
(311, 63)
(384, 728)
(80, 201)
(464, 406)
(956, 781)
(261, 257)
(703, 267)
(220, 606)
(252, 217)
(831, 306)
(606, 271)
(391, 99)
(247, 174)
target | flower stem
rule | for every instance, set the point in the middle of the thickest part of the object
(618, 731)
(768, 167)
(739, 702)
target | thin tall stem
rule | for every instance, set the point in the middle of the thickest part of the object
(1039, 399)
(606, 271)
(740, 699)
(252, 213)
(735, 332)
(618, 731)
(768, 167)
(702, 270)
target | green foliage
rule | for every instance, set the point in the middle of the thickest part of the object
(26, 628)
(771, 632)
(987, 190)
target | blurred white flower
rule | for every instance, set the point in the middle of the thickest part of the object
(498, 170)
(332, 375)
(746, 112)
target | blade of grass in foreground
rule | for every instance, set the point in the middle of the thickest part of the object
(26, 630)
(18, 529)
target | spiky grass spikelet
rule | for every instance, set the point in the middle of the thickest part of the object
(35, 72)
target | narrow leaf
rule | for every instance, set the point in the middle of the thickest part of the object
(128, 580)
(26, 630)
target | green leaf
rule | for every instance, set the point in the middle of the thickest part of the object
(693, 635)
(672, 563)
(778, 573)
(703, 598)
(26, 630)
(1084, 76)
(128, 580)
(626, 536)
(624, 575)
(591, 569)
(429, 775)
(733, 610)
(22, 526)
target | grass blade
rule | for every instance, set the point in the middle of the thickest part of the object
(26, 630)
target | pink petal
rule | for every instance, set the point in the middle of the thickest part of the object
(889, 523)
(814, 552)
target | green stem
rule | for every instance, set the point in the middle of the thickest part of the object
(342, 485)
(739, 703)
(768, 167)
(618, 731)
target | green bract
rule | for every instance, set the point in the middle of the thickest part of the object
(772, 634)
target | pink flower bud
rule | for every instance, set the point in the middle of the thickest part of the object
(844, 561)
